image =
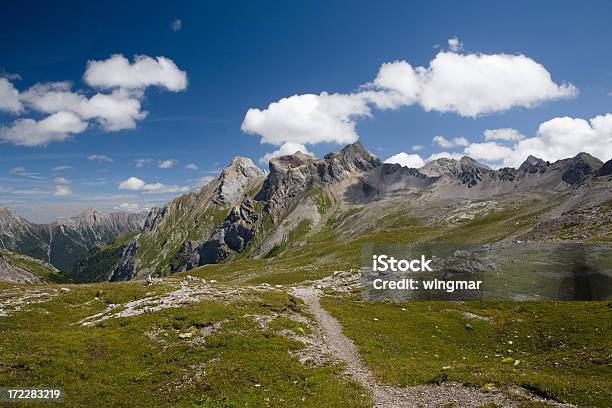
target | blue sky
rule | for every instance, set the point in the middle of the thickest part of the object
(242, 55)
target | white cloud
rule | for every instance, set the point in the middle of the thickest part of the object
(118, 110)
(9, 97)
(136, 184)
(118, 72)
(417, 148)
(62, 190)
(454, 44)
(133, 183)
(176, 25)
(467, 84)
(70, 111)
(444, 155)
(507, 134)
(139, 163)
(556, 139)
(62, 168)
(564, 137)
(395, 85)
(99, 158)
(308, 118)
(487, 151)
(477, 84)
(56, 127)
(450, 143)
(191, 166)
(167, 164)
(285, 149)
(407, 160)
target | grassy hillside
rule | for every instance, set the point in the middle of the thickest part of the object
(98, 264)
(230, 359)
(531, 344)
(45, 271)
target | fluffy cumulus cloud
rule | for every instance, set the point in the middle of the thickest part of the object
(450, 143)
(556, 139)
(9, 97)
(476, 84)
(454, 44)
(136, 184)
(285, 149)
(56, 127)
(117, 108)
(307, 118)
(191, 166)
(407, 160)
(118, 72)
(564, 137)
(487, 151)
(468, 84)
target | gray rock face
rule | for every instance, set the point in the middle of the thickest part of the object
(580, 167)
(533, 165)
(229, 238)
(234, 178)
(606, 169)
(291, 176)
(65, 241)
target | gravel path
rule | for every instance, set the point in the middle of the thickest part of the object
(385, 396)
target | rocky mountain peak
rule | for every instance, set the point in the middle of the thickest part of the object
(283, 163)
(355, 157)
(466, 170)
(580, 167)
(469, 162)
(234, 178)
(440, 167)
(533, 165)
(7, 214)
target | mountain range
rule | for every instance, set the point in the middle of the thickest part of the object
(65, 241)
(246, 212)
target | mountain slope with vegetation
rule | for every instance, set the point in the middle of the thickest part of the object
(19, 268)
(63, 242)
(351, 194)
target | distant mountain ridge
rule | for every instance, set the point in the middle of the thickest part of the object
(248, 212)
(64, 241)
